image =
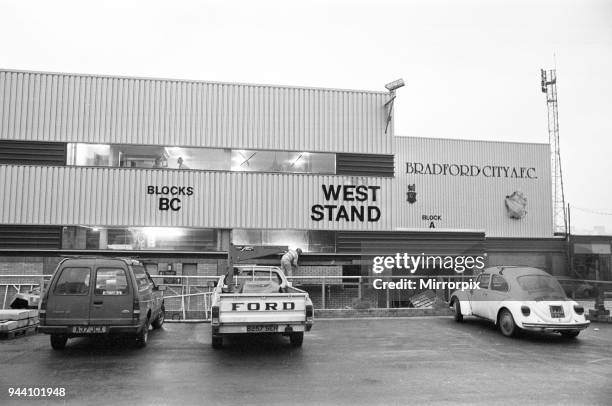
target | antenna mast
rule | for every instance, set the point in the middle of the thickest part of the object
(549, 86)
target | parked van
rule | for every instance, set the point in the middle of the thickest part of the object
(97, 296)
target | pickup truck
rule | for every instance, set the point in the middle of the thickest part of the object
(259, 300)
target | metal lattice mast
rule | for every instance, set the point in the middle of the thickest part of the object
(549, 86)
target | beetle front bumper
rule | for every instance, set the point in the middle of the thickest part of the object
(555, 327)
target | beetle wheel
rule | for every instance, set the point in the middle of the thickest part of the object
(457, 307)
(507, 326)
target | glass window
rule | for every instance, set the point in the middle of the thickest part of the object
(283, 161)
(148, 156)
(321, 241)
(247, 237)
(242, 275)
(139, 238)
(292, 238)
(308, 241)
(498, 283)
(484, 280)
(212, 159)
(141, 277)
(111, 281)
(73, 281)
(541, 287)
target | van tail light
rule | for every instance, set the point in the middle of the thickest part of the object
(214, 314)
(42, 308)
(526, 311)
(136, 308)
(579, 309)
(309, 313)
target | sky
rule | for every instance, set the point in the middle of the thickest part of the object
(471, 67)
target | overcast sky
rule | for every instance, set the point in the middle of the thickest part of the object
(472, 68)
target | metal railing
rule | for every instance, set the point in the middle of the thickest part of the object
(189, 297)
(343, 292)
(11, 285)
(591, 294)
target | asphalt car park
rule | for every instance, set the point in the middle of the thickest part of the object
(369, 361)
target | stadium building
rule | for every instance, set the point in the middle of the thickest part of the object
(174, 171)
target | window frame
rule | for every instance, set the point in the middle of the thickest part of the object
(55, 292)
(481, 277)
(125, 273)
(72, 156)
(506, 284)
(145, 277)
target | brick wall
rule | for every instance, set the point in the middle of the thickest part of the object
(321, 270)
(21, 266)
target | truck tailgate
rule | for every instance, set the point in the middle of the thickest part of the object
(256, 308)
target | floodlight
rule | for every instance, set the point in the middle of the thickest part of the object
(396, 84)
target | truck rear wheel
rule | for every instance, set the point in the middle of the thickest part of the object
(296, 339)
(58, 342)
(159, 321)
(217, 341)
(143, 336)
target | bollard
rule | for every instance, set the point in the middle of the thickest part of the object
(323, 294)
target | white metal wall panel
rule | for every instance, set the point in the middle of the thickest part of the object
(99, 109)
(473, 202)
(118, 197)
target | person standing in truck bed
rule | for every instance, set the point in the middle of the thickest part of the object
(289, 261)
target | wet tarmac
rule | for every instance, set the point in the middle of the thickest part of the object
(345, 362)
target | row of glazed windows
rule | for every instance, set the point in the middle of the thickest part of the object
(194, 158)
(189, 239)
(210, 159)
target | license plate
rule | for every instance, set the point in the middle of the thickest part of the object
(89, 329)
(556, 312)
(266, 328)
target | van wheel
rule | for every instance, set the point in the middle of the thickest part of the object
(58, 342)
(217, 341)
(143, 336)
(457, 307)
(159, 321)
(296, 339)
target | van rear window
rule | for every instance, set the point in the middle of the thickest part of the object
(73, 281)
(111, 281)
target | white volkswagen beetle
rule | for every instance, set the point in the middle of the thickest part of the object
(520, 298)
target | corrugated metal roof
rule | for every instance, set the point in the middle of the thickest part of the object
(105, 109)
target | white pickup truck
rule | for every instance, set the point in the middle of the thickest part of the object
(259, 300)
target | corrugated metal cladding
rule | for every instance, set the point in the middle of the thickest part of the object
(97, 109)
(432, 243)
(473, 200)
(44, 237)
(32, 153)
(494, 245)
(119, 197)
(365, 165)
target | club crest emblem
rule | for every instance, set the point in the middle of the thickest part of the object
(411, 194)
(516, 205)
